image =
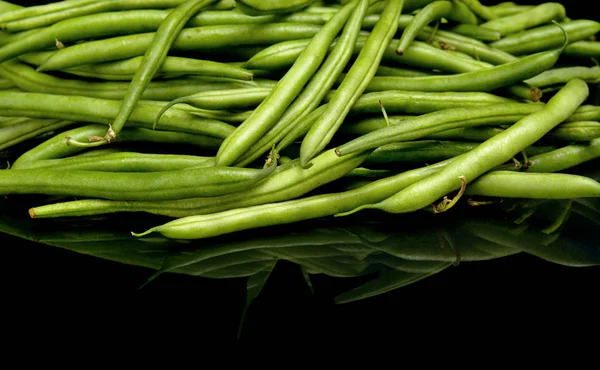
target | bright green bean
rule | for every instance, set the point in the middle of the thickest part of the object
(584, 49)
(261, 7)
(481, 10)
(476, 32)
(27, 129)
(356, 80)
(565, 74)
(541, 14)
(24, 12)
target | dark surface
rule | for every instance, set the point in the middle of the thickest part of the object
(48, 286)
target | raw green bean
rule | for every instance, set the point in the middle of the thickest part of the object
(6, 7)
(261, 7)
(453, 10)
(541, 14)
(508, 184)
(31, 11)
(400, 71)
(123, 162)
(314, 92)
(5, 83)
(281, 185)
(93, 8)
(163, 185)
(197, 38)
(481, 10)
(508, 8)
(564, 75)
(362, 71)
(489, 154)
(481, 80)
(575, 131)
(546, 37)
(57, 146)
(273, 107)
(27, 79)
(27, 129)
(584, 49)
(562, 158)
(476, 32)
(466, 134)
(85, 109)
(154, 55)
(586, 112)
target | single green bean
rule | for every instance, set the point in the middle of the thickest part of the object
(564, 75)
(357, 79)
(508, 8)
(27, 129)
(481, 10)
(273, 107)
(30, 11)
(489, 154)
(85, 109)
(541, 14)
(546, 37)
(261, 7)
(476, 32)
(197, 38)
(584, 49)
(575, 131)
(453, 10)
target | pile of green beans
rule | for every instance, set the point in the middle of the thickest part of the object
(226, 115)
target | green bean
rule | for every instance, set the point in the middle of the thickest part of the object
(156, 53)
(453, 10)
(315, 90)
(586, 112)
(27, 129)
(87, 27)
(489, 154)
(197, 38)
(561, 159)
(564, 75)
(261, 7)
(583, 49)
(358, 77)
(55, 147)
(508, 184)
(27, 79)
(221, 99)
(476, 32)
(509, 8)
(85, 109)
(93, 8)
(6, 84)
(541, 14)
(400, 71)
(546, 37)
(481, 10)
(6, 7)
(575, 131)
(273, 107)
(163, 185)
(480, 80)
(210, 225)
(281, 185)
(466, 134)
(437, 121)
(123, 162)
(24, 12)
(125, 69)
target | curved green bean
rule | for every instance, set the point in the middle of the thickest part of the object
(540, 14)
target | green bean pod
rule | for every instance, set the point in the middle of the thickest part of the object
(476, 32)
(546, 37)
(508, 184)
(541, 14)
(565, 74)
(29, 128)
(583, 49)
(575, 131)
(282, 185)
(508, 8)
(163, 185)
(481, 10)
(262, 7)
(489, 154)
(122, 162)
(197, 38)
(58, 146)
(31, 11)
(453, 10)
(353, 85)
(85, 109)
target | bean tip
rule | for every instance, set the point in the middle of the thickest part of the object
(399, 51)
(32, 213)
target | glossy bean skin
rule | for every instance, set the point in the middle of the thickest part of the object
(476, 32)
(489, 154)
(91, 7)
(85, 109)
(315, 90)
(24, 12)
(58, 146)
(154, 55)
(564, 75)
(273, 107)
(583, 49)
(29, 128)
(163, 185)
(453, 10)
(481, 10)
(196, 38)
(541, 14)
(508, 184)
(508, 8)
(122, 162)
(481, 80)
(27, 79)
(261, 7)
(353, 85)
(546, 37)
(285, 183)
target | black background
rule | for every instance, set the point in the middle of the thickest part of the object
(47, 290)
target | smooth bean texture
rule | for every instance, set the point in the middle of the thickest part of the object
(536, 16)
